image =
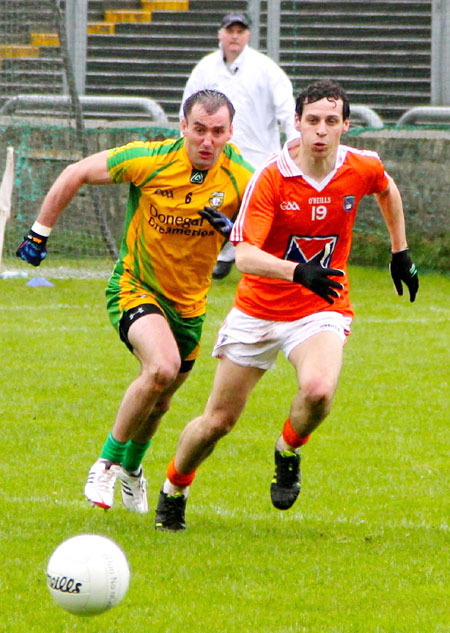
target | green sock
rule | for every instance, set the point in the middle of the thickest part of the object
(134, 455)
(113, 450)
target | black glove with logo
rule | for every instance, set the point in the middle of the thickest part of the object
(220, 222)
(314, 276)
(33, 248)
(403, 269)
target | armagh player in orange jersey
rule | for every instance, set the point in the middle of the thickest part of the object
(295, 223)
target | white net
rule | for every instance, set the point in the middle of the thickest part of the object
(34, 62)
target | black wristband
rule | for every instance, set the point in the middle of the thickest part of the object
(40, 240)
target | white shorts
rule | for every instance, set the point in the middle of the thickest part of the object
(253, 342)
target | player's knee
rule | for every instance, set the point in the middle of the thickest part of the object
(159, 376)
(318, 393)
(219, 424)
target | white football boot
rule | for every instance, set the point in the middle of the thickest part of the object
(134, 491)
(99, 488)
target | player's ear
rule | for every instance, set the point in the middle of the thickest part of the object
(346, 126)
(297, 122)
(231, 131)
(183, 126)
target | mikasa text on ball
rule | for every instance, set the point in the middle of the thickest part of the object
(88, 574)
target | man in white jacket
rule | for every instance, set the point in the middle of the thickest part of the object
(261, 93)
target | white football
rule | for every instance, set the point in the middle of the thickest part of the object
(88, 574)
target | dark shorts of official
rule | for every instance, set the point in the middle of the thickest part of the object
(126, 306)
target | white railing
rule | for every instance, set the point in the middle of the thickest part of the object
(115, 104)
(425, 114)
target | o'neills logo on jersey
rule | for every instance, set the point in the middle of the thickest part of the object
(216, 199)
(289, 205)
(198, 176)
(320, 200)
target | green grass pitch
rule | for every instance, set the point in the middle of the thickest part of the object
(364, 550)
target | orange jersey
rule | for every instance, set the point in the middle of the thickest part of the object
(291, 216)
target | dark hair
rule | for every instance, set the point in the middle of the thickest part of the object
(211, 100)
(322, 89)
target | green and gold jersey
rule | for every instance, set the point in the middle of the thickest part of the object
(167, 246)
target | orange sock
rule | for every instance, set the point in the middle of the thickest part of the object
(291, 437)
(180, 480)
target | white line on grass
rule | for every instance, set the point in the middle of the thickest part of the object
(44, 499)
(389, 320)
(70, 306)
(305, 516)
(206, 511)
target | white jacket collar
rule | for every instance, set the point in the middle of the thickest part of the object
(234, 66)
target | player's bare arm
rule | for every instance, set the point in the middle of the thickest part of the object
(91, 170)
(390, 203)
(254, 261)
(403, 270)
(313, 274)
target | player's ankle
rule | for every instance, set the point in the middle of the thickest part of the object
(282, 445)
(172, 490)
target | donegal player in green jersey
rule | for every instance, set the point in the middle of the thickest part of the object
(156, 296)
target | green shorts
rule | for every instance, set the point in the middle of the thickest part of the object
(186, 331)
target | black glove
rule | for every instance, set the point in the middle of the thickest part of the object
(315, 277)
(218, 220)
(403, 269)
(33, 249)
